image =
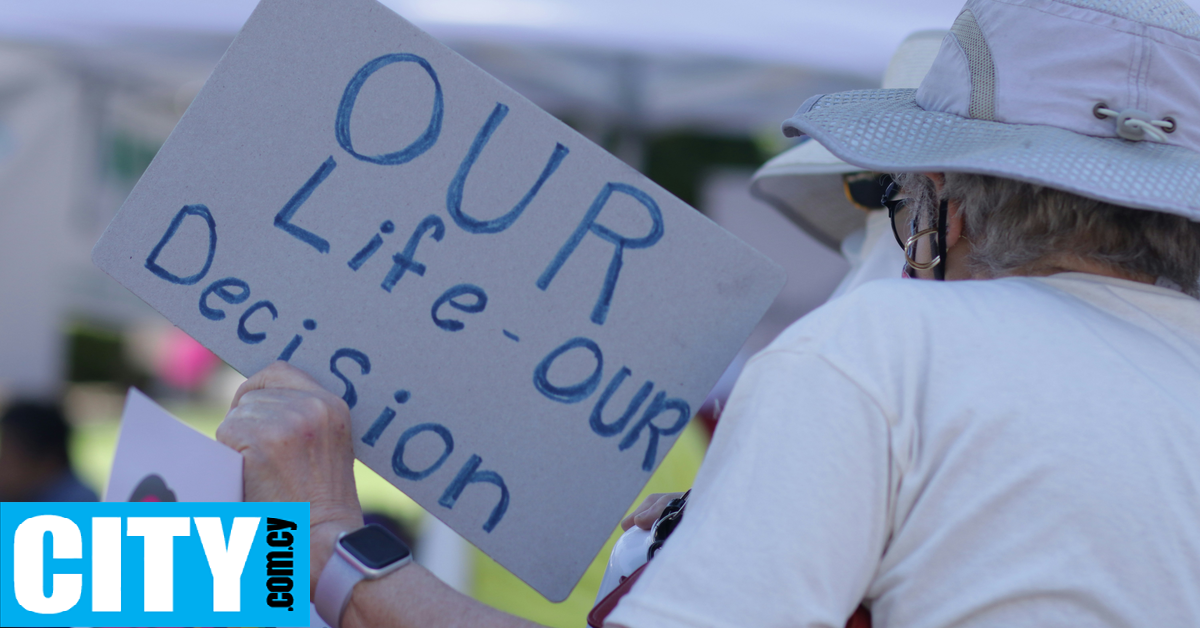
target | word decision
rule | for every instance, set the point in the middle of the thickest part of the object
(520, 324)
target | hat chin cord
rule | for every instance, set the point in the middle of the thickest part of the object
(1136, 125)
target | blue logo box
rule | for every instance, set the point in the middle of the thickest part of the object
(154, 564)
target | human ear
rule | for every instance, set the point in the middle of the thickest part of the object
(954, 218)
(954, 223)
(938, 178)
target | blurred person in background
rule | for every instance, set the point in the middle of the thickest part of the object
(35, 462)
(839, 204)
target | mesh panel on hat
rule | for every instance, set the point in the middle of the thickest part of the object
(979, 59)
(886, 130)
(1170, 14)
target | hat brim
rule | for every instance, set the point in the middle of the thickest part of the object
(886, 131)
(804, 184)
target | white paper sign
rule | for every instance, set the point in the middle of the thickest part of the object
(161, 459)
(521, 324)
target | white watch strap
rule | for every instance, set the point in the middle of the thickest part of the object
(334, 588)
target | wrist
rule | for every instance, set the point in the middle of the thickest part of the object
(365, 604)
(324, 537)
(367, 553)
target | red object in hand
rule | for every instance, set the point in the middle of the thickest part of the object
(860, 619)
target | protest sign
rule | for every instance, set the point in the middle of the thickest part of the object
(520, 323)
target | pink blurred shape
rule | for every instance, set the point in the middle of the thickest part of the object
(183, 362)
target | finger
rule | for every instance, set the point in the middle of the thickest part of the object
(646, 518)
(627, 522)
(278, 374)
(269, 418)
(227, 434)
(252, 424)
(651, 502)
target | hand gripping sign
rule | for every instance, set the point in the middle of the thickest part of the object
(521, 324)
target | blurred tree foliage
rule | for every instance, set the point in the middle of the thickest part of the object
(98, 355)
(680, 161)
(129, 156)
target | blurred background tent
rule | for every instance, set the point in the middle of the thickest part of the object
(689, 92)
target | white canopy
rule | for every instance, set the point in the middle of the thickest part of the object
(732, 66)
(727, 66)
(848, 37)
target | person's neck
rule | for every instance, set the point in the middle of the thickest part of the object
(958, 268)
(1078, 265)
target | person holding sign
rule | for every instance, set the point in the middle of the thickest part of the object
(1013, 446)
(838, 205)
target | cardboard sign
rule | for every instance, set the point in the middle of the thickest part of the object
(520, 323)
(161, 459)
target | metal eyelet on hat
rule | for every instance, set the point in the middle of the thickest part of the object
(1136, 125)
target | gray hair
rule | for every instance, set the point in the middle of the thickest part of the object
(1018, 228)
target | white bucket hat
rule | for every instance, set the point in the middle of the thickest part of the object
(804, 183)
(1096, 97)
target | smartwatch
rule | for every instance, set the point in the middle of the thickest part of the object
(367, 553)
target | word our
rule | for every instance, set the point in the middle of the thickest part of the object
(663, 415)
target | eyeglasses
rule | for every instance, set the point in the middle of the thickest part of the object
(863, 189)
(923, 242)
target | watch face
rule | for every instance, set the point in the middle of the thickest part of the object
(375, 547)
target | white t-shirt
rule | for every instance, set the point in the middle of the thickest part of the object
(1012, 452)
(872, 252)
